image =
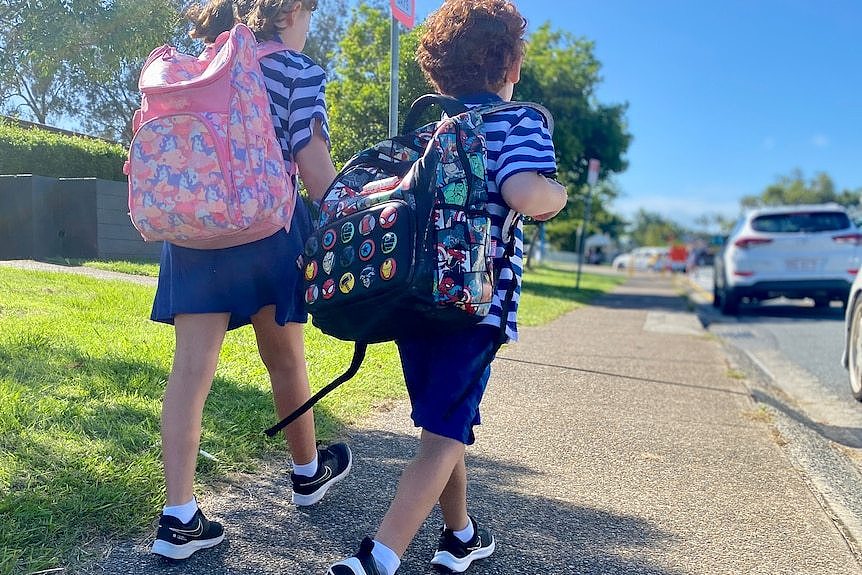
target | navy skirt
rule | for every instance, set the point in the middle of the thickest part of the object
(239, 280)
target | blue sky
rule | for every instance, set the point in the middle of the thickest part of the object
(724, 95)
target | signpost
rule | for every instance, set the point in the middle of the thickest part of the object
(592, 177)
(403, 12)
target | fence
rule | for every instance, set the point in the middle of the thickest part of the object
(43, 217)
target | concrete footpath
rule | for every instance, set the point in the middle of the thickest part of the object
(616, 440)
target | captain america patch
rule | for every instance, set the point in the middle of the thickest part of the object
(366, 250)
(328, 239)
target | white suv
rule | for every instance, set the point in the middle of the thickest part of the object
(791, 251)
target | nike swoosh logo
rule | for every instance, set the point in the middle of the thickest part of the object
(327, 475)
(477, 546)
(196, 532)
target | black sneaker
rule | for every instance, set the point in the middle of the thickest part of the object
(177, 540)
(333, 465)
(360, 564)
(457, 556)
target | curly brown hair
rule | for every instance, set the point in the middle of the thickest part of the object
(216, 16)
(469, 45)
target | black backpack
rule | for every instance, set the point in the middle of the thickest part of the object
(403, 242)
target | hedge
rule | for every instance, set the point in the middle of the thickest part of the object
(40, 152)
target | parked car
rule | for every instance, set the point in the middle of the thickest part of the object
(852, 356)
(808, 251)
(641, 259)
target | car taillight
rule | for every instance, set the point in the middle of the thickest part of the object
(853, 239)
(745, 243)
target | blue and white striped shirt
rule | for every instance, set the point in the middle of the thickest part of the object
(297, 94)
(517, 141)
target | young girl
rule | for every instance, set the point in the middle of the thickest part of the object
(204, 293)
(471, 50)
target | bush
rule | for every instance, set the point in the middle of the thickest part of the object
(563, 234)
(40, 152)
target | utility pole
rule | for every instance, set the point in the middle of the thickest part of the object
(393, 77)
(592, 178)
(402, 12)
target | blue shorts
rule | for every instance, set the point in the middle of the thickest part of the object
(446, 379)
(239, 280)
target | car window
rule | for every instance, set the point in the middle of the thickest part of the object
(801, 222)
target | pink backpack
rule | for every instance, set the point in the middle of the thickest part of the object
(205, 167)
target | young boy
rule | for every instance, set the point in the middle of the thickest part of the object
(472, 50)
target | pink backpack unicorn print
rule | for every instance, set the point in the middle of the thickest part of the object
(205, 168)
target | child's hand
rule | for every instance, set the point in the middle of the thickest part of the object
(546, 216)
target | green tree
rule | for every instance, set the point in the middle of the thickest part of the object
(327, 29)
(35, 70)
(794, 188)
(652, 229)
(117, 42)
(358, 95)
(561, 72)
(81, 59)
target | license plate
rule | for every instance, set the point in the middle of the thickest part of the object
(804, 264)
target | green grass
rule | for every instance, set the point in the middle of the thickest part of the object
(82, 373)
(549, 292)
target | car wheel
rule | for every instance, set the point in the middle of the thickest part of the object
(729, 304)
(854, 345)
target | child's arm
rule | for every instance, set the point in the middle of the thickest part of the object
(534, 195)
(315, 165)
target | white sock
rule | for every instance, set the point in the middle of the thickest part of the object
(464, 535)
(306, 469)
(386, 559)
(183, 512)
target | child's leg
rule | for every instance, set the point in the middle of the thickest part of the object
(453, 500)
(282, 350)
(420, 486)
(198, 341)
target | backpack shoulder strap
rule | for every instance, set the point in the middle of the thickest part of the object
(450, 105)
(269, 47)
(503, 106)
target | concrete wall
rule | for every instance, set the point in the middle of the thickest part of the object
(70, 218)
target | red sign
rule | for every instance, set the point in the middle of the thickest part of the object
(404, 11)
(593, 172)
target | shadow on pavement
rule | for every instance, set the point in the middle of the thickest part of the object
(629, 377)
(846, 436)
(266, 534)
